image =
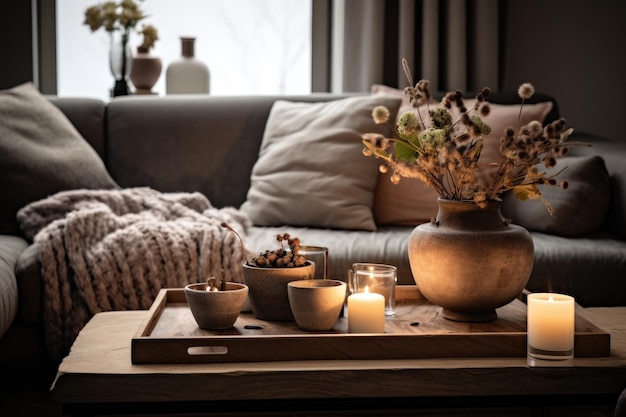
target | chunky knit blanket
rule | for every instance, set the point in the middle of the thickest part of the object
(105, 250)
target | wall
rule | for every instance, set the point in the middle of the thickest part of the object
(15, 48)
(571, 49)
(568, 48)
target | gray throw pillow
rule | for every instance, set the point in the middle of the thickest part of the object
(579, 210)
(311, 170)
(41, 153)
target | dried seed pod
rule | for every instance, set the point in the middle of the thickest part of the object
(285, 257)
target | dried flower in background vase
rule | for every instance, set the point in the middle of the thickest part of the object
(118, 19)
(146, 68)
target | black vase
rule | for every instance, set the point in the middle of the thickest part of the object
(120, 88)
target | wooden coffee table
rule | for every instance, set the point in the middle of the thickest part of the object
(97, 377)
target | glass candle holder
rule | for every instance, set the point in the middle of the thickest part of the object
(550, 322)
(319, 256)
(375, 278)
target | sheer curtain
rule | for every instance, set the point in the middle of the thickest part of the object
(455, 44)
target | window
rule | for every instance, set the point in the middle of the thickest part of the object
(250, 46)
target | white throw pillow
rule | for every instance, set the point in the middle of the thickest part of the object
(311, 170)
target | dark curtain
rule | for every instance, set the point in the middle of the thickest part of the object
(455, 44)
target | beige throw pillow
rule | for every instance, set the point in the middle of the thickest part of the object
(311, 170)
(412, 202)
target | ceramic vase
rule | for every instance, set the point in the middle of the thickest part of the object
(187, 75)
(145, 71)
(120, 62)
(268, 292)
(470, 261)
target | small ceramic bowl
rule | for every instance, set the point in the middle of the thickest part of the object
(316, 304)
(216, 309)
(268, 289)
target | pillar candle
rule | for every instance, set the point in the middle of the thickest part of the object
(366, 313)
(551, 322)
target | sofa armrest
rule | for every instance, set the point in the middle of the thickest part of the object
(30, 285)
(10, 249)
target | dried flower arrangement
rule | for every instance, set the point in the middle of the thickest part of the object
(150, 36)
(114, 16)
(445, 153)
(123, 16)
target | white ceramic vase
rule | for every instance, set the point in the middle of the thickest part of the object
(187, 75)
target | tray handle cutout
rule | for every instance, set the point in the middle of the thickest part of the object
(206, 350)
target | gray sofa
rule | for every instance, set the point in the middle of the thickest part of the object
(210, 144)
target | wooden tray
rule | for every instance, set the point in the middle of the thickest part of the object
(170, 335)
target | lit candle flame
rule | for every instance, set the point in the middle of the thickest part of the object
(550, 299)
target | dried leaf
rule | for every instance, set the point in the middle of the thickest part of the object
(378, 152)
(405, 152)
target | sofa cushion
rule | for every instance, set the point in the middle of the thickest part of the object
(579, 210)
(388, 245)
(590, 267)
(87, 115)
(311, 170)
(411, 201)
(42, 153)
(562, 264)
(190, 142)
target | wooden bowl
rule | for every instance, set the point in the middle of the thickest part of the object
(216, 309)
(316, 304)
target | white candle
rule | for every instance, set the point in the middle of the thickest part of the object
(550, 324)
(366, 313)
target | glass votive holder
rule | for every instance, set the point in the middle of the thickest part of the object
(550, 326)
(318, 255)
(375, 278)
